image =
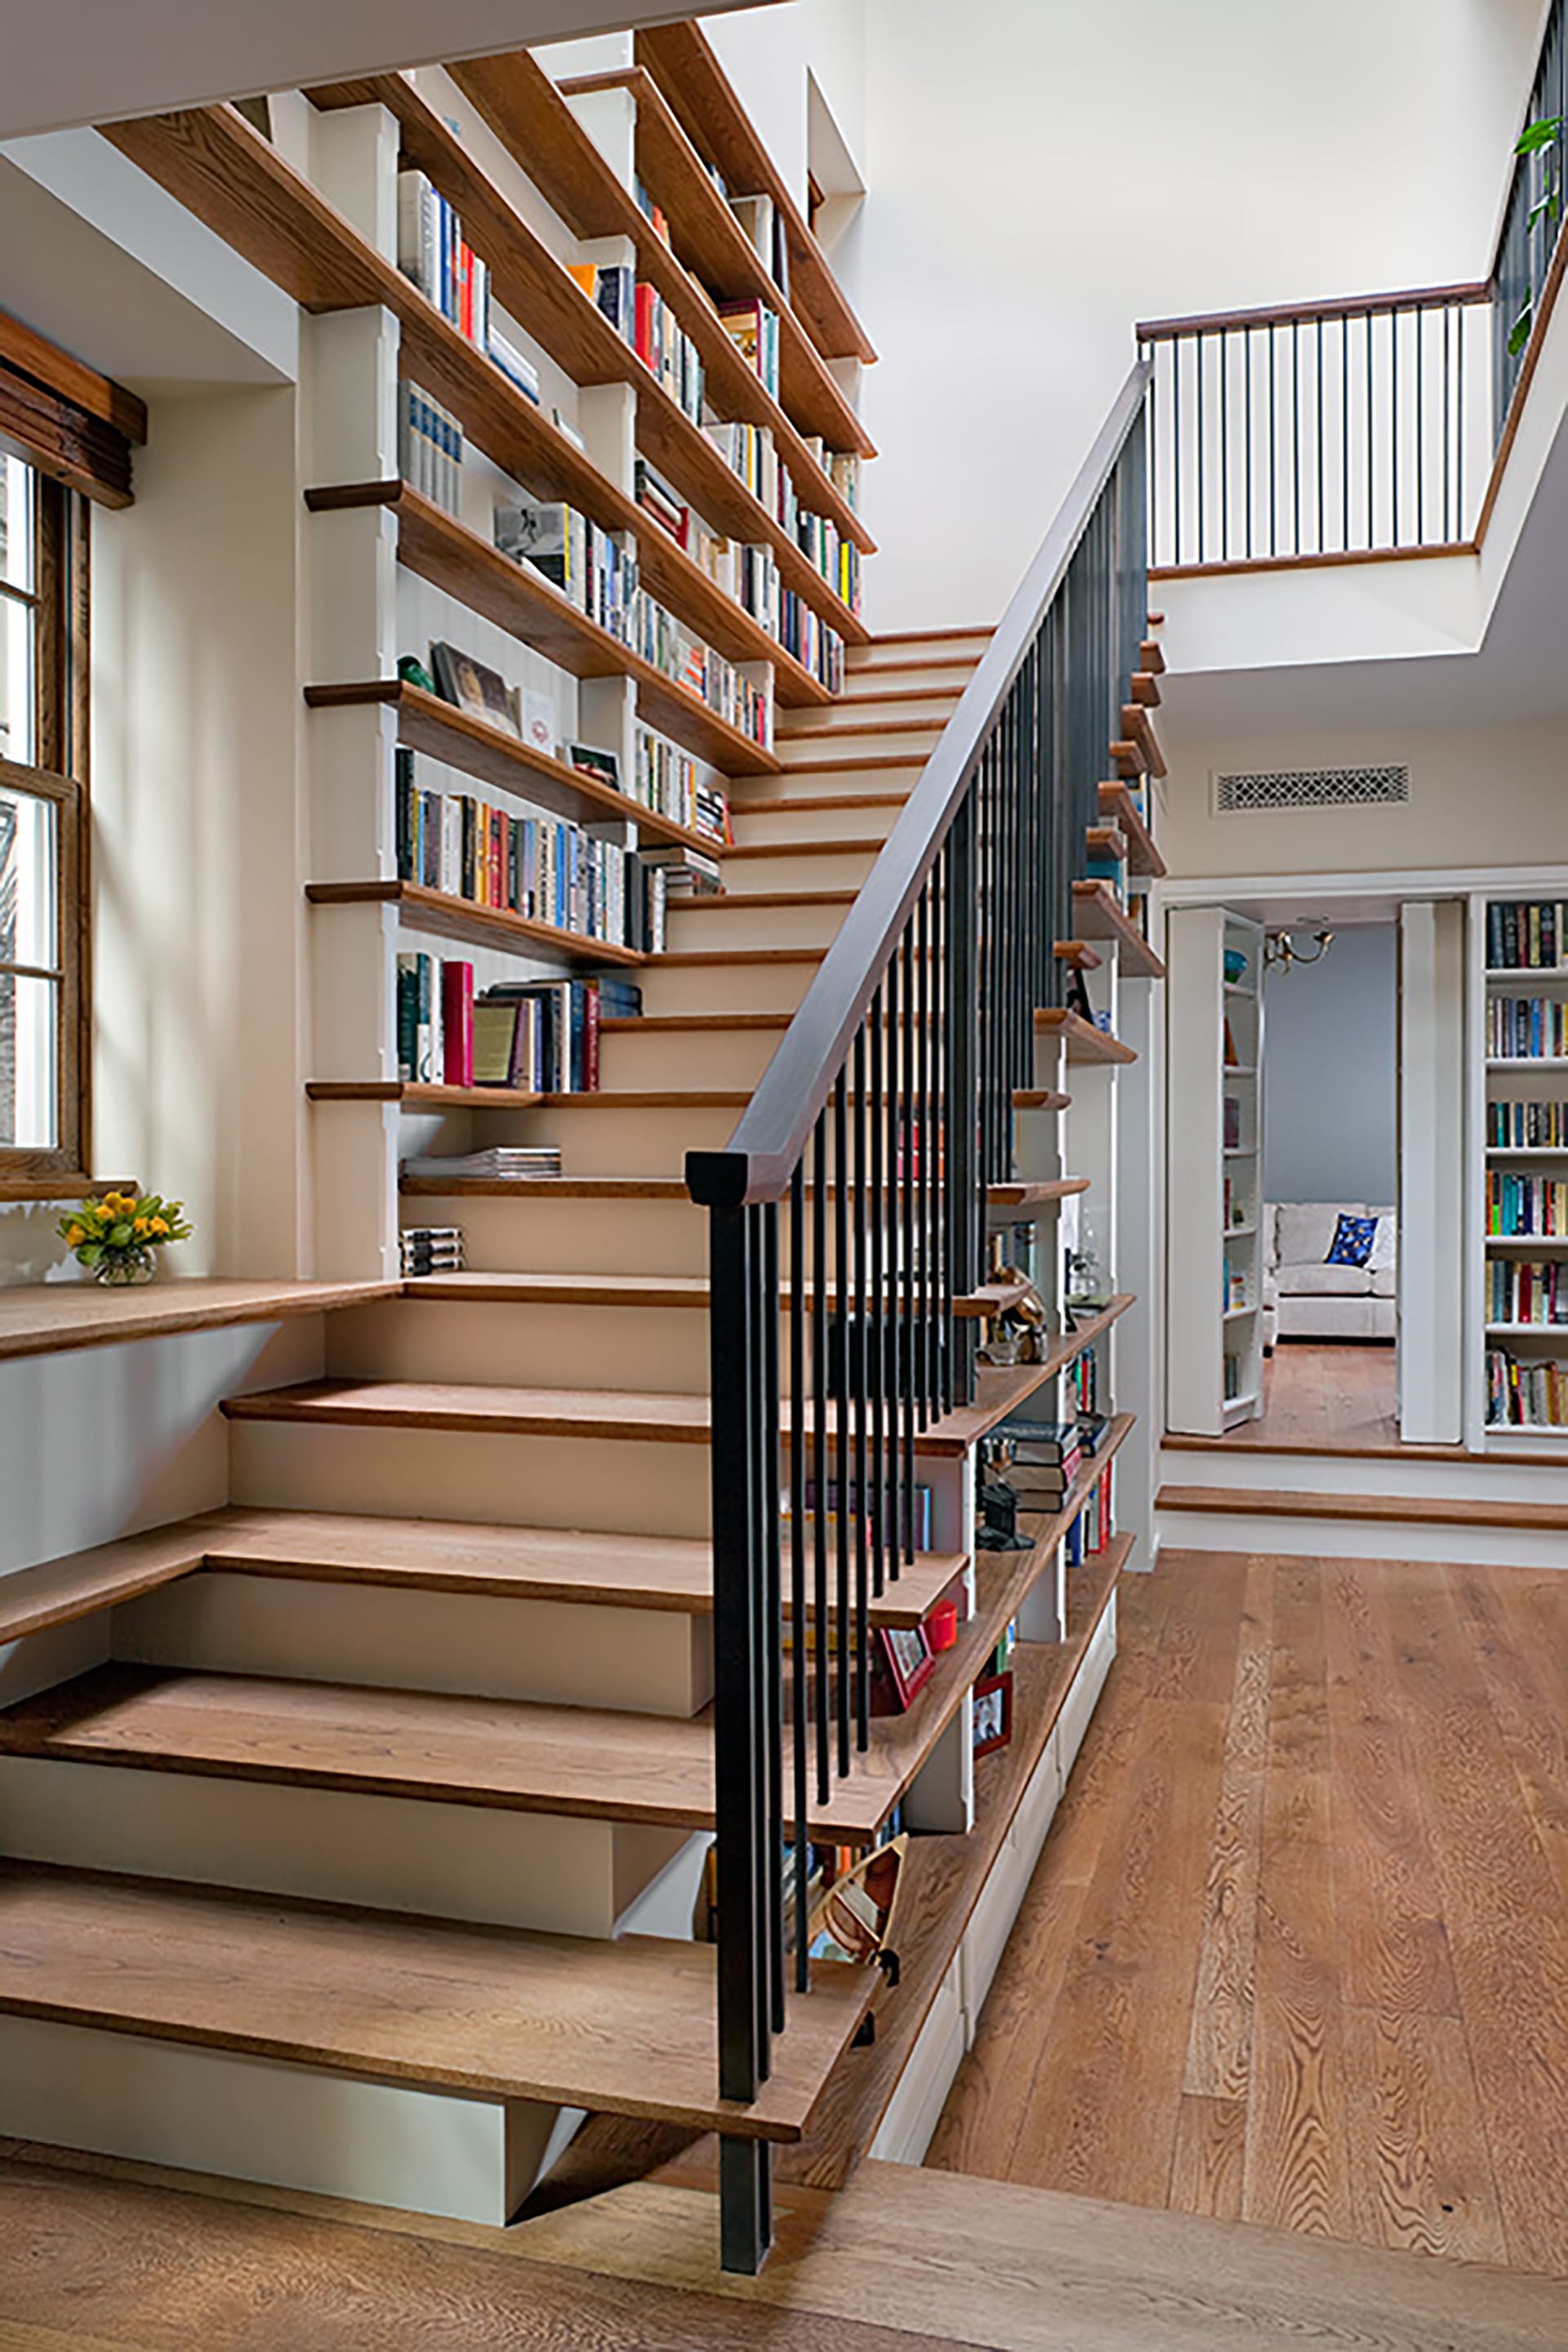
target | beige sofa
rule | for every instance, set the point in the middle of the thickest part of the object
(1304, 1298)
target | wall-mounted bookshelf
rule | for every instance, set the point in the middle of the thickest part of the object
(1214, 1278)
(1520, 1169)
(515, 290)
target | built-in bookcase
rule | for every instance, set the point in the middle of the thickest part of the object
(586, 204)
(1519, 1212)
(1214, 1244)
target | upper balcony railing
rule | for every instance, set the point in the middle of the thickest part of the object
(1358, 429)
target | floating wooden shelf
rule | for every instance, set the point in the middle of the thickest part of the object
(1085, 1043)
(1119, 808)
(48, 1318)
(1144, 689)
(1026, 1192)
(998, 1391)
(460, 919)
(943, 1879)
(681, 60)
(234, 179)
(1078, 953)
(1149, 656)
(520, 600)
(426, 723)
(1098, 911)
(1106, 840)
(1138, 727)
(422, 1096)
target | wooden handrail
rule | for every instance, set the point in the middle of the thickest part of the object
(1286, 314)
(766, 1146)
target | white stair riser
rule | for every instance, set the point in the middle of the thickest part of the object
(1328, 1538)
(529, 1236)
(465, 2159)
(933, 709)
(892, 652)
(851, 782)
(721, 925)
(630, 1485)
(398, 1637)
(675, 1057)
(546, 1872)
(845, 743)
(837, 824)
(734, 987)
(1250, 1469)
(603, 1140)
(663, 1349)
(809, 868)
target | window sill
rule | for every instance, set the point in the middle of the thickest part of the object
(64, 1185)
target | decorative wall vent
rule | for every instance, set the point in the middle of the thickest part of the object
(1310, 788)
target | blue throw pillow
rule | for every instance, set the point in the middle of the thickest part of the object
(1352, 1242)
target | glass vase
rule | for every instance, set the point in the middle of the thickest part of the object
(121, 1269)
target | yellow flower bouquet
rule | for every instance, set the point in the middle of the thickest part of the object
(118, 1237)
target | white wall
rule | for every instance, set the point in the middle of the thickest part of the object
(1329, 1073)
(1042, 174)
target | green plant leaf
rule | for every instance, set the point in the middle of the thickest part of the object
(1518, 333)
(1537, 135)
(89, 1253)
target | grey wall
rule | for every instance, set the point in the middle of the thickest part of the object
(1331, 1073)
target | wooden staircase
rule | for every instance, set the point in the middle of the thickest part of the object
(399, 1771)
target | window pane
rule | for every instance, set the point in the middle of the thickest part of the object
(29, 1012)
(16, 699)
(28, 848)
(18, 537)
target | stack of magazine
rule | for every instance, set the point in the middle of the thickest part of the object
(506, 1160)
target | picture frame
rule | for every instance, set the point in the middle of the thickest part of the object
(904, 1656)
(993, 1725)
(588, 761)
(473, 687)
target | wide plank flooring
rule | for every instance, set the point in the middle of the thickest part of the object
(1315, 1393)
(1296, 1950)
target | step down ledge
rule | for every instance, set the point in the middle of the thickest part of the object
(619, 2027)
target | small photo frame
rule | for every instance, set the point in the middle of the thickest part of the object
(471, 688)
(993, 1698)
(906, 1657)
(602, 766)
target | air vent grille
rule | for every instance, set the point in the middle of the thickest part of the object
(1309, 788)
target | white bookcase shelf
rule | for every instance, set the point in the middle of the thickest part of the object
(1214, 1063)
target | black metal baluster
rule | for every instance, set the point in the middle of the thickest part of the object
(1296, 435)
(1394, 419)
(841, 1418)
(1420, 430)
(1318, 416)
(907, 1207)
(1447, 417)
(817, 1278)
(1200, 410)
(943, 1170)
(928, 1293)
(1273, 453)
(1225, 446)
(1371, 443)
(1345, 424)
(890, 1499)
(877, 1332)
(1176, 441)
(862, 1561)
(1247, 347)
(772, 1648)
(800, 1602)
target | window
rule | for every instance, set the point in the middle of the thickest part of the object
(43, 1061)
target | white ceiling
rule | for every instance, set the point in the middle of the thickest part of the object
(76, 61)
(1518, 675)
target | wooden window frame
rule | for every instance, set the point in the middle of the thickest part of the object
(59, 600)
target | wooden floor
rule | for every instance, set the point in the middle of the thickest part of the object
(1339, 1397)
(1297, 1951)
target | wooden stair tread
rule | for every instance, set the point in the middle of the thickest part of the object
(1101, 915)
(810, 807)
(651, 1290)
(1117, 806)
(726, 901)
(55, 1591)
(47, 1318)
(1076, 953)
(620, 2026)
(808, 848)
(1423, 1510)
(545, 1188)
(595, 1763)
(656, 1024)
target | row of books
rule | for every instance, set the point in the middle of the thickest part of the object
(1093, 1527)
(546, 870)
(1038, 1459)
(668, 779)
(433, 252)
(668, 646)
(1237, 1206)
(527, 1037)
(753, 330)
(590, 569)
(1525, 1396)
(750, 573)
(1527, 1290)
(1525, 1204)
(1529, 1125)
(837, 559)
(1232, 1376)
(429, 447)
(1527, 1028)
(1527, 934)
